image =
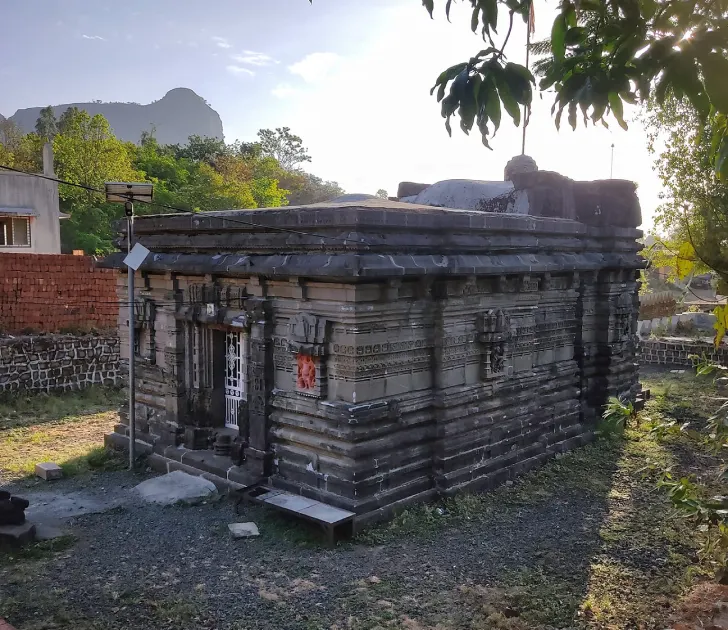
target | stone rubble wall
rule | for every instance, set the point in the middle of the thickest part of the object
(58, 362)
(681, 323)
(48, 293)
(677, 350)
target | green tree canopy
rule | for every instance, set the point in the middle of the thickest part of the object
(602, 54)
(693, 219)
(204, 174)
(286, 148)
(46, 126)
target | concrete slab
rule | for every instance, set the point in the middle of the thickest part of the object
(326, 513)
(49, 506)
(291, 502)
(175, 487)
(243, 530)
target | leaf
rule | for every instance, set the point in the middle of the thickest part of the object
(447, 9)
(558, 38)
(519, 80)
(617, 109)
(685, 260)
(512, 107)
(475, 19)
(572, 114)
(649, 8)
(449, 75)
(491, 12)
(715, 77)
(429, 5)
(721, 162)
(574, 35)
(721, 323)
(492, 104)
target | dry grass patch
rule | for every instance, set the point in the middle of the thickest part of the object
(64, 428)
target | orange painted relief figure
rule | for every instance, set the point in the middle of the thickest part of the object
(306, 372)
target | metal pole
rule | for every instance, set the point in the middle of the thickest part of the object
(132, 385)
(611, 166)
(525, 107)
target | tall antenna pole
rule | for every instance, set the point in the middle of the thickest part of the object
(611, 166)
(525, 107)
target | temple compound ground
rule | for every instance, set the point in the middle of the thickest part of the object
(372, 354)
(588, 541)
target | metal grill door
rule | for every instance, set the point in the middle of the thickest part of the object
(236, 373)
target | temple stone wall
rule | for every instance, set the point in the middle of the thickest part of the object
(393, 352)
(58, 362)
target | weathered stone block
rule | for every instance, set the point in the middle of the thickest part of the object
(48, 471)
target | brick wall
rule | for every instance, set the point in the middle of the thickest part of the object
(58, 362)
(55, 293)
(675, 351)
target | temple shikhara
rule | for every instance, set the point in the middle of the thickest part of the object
(370, 353)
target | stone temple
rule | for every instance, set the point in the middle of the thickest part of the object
(373, 353)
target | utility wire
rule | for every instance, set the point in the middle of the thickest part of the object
(184, 210)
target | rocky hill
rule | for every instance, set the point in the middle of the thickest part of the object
(178, 115)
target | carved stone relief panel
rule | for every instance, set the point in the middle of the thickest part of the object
(494, 335)
(307, 342)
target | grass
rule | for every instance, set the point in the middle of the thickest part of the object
(67, 429)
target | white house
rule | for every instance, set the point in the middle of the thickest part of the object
(29, 211)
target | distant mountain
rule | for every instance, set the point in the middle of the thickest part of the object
(178, 115)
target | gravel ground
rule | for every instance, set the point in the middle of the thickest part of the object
(184, 558)
(588, 541)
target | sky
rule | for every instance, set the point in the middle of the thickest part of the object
(351, 77)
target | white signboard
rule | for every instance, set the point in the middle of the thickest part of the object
(136, 256)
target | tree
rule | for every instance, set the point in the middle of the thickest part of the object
(284, 146)
(201, 149)
(46, 126)
(693, 219)
(306, 189)
(627, 51)
(10, 135)
(66, 119)
(382, 194)
(88, 153)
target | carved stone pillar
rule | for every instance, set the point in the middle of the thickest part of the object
(258, 455)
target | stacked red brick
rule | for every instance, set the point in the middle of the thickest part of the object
(55, 293)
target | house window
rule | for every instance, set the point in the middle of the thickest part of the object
(14, 232)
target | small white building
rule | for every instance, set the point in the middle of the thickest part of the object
(29, 211)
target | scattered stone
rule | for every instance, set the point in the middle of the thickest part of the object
(175, 487)
(17, 534)
(48, 471)
(243, 530)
